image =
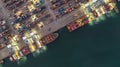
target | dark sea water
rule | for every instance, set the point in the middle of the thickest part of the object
(89, 46)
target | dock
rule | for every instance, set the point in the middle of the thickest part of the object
(47, 29)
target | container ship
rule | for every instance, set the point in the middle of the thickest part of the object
(28, 25)
(93, 12)
(26, 49)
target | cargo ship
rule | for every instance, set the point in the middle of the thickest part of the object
(93, 13)
(26, 50)
(45, 17)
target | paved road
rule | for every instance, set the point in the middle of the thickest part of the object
(4, 53)
(49, 28)
(3, 11)
(54, 26)
(60, 23)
